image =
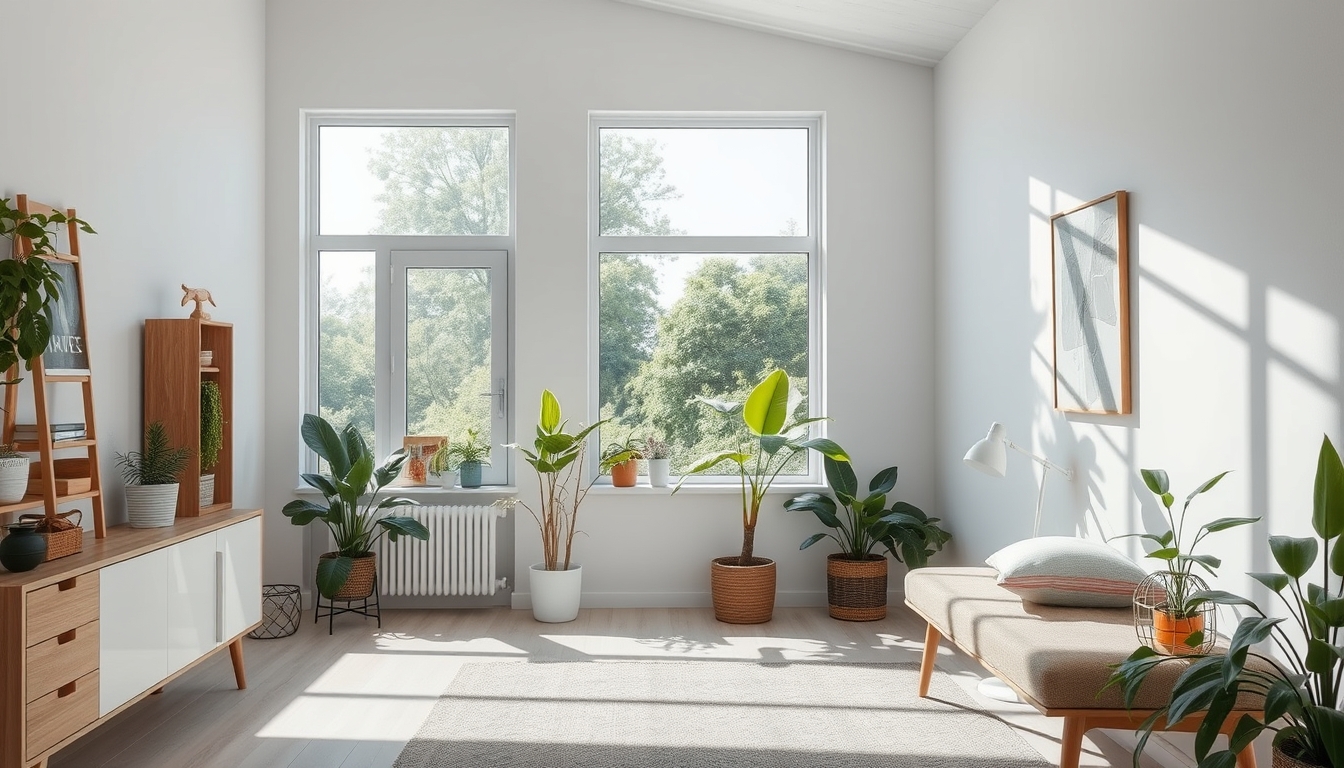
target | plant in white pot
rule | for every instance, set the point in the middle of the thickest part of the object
(659, 456)
(556, 582)
(13, 475)
(151, 479)
(212, 438)
(465, 456)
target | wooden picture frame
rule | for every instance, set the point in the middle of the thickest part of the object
(421, 448)
(66, 353)
(1089, 254)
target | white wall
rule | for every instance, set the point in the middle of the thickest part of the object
(146, 116)
(552, 62)
(1223, 122)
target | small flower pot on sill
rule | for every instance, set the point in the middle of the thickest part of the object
(625, 474)
(470, 474)
(660, 472)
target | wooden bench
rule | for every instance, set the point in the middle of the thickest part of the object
(1056, 659)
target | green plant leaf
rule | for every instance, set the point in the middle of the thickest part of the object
(1327, 515)
(1250, 631)
(883, 481)
(1219, 597)
(1214, 717)
(840, 474)
(405, 526)
(332, 573)
(550, 411)
(826, 448)
(813, 539)
(1166, 553)
(1206, 486)
(1320, 657)
(1277, 582)
(1282, 698)
(320, 482)
(1330, 727)
(1223, 523)
(1156, 480)
(1195, 688)
(1209, 562)
(302, 512)
(724, 407)
(319, 436)
(772, 444)
(766, 408)
(1248, 728)
(1294, 556)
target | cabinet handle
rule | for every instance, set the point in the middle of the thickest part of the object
(219, 597)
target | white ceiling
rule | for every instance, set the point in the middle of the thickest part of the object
(917, 31)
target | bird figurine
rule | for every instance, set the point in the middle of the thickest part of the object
(200, 296)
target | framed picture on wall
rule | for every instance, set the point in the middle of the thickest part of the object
(1090, 310)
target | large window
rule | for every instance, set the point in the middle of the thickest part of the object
(705, 240)
(408, 240)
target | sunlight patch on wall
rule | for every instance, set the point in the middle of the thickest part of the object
(1207, 282)
(1303, 333)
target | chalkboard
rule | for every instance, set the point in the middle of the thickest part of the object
(66, 353)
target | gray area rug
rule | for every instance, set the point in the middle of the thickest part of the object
(705, 713)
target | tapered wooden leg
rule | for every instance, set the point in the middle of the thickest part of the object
(1071, 745)
(1246, 757)
(156, 692)
(236, 655)
(931, 638)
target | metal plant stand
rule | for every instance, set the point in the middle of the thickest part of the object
(366, 609)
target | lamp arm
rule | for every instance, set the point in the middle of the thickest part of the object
(1040, 460)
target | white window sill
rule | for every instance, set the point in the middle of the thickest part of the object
(726, 489)
(428, 491)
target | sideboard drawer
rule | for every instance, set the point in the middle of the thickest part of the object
(61, 713)
(62, 659)
(62, 607)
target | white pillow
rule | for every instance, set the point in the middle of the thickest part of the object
(1062, 570)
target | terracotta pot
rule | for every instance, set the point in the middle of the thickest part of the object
(742, 594)
(360, 584)
(1170, 633)
(857, 589)
(625, 474)
(1283, 760)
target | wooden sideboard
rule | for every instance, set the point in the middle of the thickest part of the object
(86, 636)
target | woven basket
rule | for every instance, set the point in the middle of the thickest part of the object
(360, 584)
(743, 594)
(1282, 760)
(857, 589)
(64, 537)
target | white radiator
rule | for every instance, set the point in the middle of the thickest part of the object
(458, 559)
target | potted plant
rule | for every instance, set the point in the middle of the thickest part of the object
(212, 438)
(28, 286)
(556, 582)
(1302, 693)
(743, 586)
(1162, 604)
(659, 457)
(856, 577)
(353, 513)
(13, 475)
(466, 456)
(622, 461)
(440, 466)
(151, 479)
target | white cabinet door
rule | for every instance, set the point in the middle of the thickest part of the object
(240, 585)
(133, 628)
(192, 620)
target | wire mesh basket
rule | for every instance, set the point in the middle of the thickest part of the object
(280, 611)
(1173, 632)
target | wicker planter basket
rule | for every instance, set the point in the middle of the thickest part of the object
(743, 594)
(1281, 760)
(360, 584)
(857, 589)
(64, 536)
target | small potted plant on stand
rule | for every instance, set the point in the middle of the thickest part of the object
(856, 578)
(1301, 687)
(556, 582)
(467, 456)
(1163, 610)
(742, 586)
(13, 475)
(659, 457)
(356, 524)
(212, 438)
(151, 479)
(622, 461)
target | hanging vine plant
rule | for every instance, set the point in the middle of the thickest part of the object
(212, 425)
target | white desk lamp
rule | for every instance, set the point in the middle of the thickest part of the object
(990, 456)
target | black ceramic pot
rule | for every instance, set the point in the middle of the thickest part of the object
(22, 549)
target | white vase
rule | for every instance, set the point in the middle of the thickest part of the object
(447, 479)
(151, 506)
(660, 470)
(207, 490)
(555, 594)
(13, 479)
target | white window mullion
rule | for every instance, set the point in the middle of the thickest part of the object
(384, 374)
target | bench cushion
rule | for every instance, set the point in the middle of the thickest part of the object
(1058, 656)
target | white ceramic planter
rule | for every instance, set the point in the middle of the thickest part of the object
(660, 470)
(447, 479)
(207, 490)
(555, 594)
(13, 479)
(151, 506)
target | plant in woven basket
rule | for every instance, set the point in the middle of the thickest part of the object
(911, 536)
(28, 286)
(353, 512)
(1302, 694)
(158, 464)
(212, 425)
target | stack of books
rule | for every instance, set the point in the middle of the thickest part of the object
(27, 433)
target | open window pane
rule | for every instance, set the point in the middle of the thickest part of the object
(703, 182)
(448, 342)
(673, 326)
(346, 339)
(383, 180)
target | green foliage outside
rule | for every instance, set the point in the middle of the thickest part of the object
(738, 317)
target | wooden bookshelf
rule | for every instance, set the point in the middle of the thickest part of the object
(173, 376)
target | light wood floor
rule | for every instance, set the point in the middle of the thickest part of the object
(354, 699)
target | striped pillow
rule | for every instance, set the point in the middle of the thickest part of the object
(1062, 570)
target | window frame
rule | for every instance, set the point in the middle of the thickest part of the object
(812, 244)
(459, 250)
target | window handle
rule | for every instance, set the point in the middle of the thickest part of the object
(499, 407)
